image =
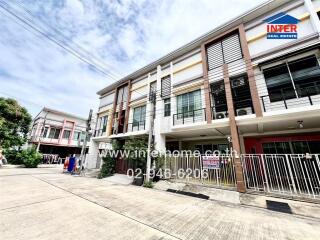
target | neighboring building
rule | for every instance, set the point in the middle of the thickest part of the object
(59, 133)
(231, 82)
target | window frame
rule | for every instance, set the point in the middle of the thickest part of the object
(294, 94)
(166, 103)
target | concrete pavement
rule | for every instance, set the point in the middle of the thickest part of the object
(45, 204)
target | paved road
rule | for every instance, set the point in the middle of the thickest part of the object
(45, 204)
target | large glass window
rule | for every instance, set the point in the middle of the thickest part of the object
(167, 107)
(76, 136)
(219, 100)
(305, 74)
(139, 116)
(54, 133)
(241, 95)
(188, 104)
(293, 79)
(279, 83)
(66, 134)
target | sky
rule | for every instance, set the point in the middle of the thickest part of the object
(119, 35)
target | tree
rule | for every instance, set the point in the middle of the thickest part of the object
(137, 147)
(14, 123)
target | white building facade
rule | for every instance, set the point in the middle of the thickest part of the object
(231, 83)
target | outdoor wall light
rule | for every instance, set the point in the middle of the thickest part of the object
(300, 123)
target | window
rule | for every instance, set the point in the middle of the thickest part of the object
(66, 134)
(305, 74)
(279, 83)
(139, 116)
(76, 136)
(54, 133)
(219, 100)
(293, 79)
(166, 86)
(167, 107)
(225, 51)
(188, 104)
(276, 148)
(241, 95)
(45, 132)
(153, 91)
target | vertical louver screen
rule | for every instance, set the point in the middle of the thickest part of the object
(231, 49)
(215, 56)
(166, 86)
(226, 50)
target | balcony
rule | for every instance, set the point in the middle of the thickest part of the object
(219, 111)
(304, 95)
(136, 126)
(100, 132)
(193, 116)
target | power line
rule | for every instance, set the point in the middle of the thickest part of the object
(52, 39)
(58, 32)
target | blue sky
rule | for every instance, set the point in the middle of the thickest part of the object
(123, 35)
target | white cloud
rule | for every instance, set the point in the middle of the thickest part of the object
(125, 34)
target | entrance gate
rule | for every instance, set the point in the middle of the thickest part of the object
(285, 174)
(211, 171)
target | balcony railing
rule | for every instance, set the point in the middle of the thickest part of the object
(220, 111)
(303, 97)
(136, 126)
(243, 107)
(193, 116)
(99, 132)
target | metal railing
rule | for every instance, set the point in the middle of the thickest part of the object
(193, 116)
(136, 126)
(284, 174)
(194, 169)
(243, 107)
(282, 101)
(220, 111)
(99, 132)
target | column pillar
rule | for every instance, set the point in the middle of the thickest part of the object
(206, 84)
(113, 110)
(313, 15)
(251, 79)
(234, 132)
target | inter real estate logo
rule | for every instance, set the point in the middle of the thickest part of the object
(282, 26)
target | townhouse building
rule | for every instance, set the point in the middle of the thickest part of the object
(252, 83)
(57, 133)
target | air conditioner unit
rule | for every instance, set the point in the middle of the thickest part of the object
(244, 111)
(238, 82)
(220, 115)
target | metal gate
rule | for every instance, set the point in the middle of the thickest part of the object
(285, 174)
(190, 168)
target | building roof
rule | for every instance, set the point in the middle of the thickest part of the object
(243, 18)
(46, 109)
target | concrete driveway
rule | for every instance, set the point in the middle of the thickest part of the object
(45, 204)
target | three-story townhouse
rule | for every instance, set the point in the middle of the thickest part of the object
(238, 85)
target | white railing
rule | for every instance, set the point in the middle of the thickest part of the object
(216, 171)
(285, 174)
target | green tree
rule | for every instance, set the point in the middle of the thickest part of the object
(14, 123)
(138, 148)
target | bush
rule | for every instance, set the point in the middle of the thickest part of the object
(12, 156)
(108, 167)
(148, 184)
(31, 158)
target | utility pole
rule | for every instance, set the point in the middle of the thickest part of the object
(84, 146)
(150, 140)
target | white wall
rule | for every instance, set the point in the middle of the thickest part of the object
(263, 44)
